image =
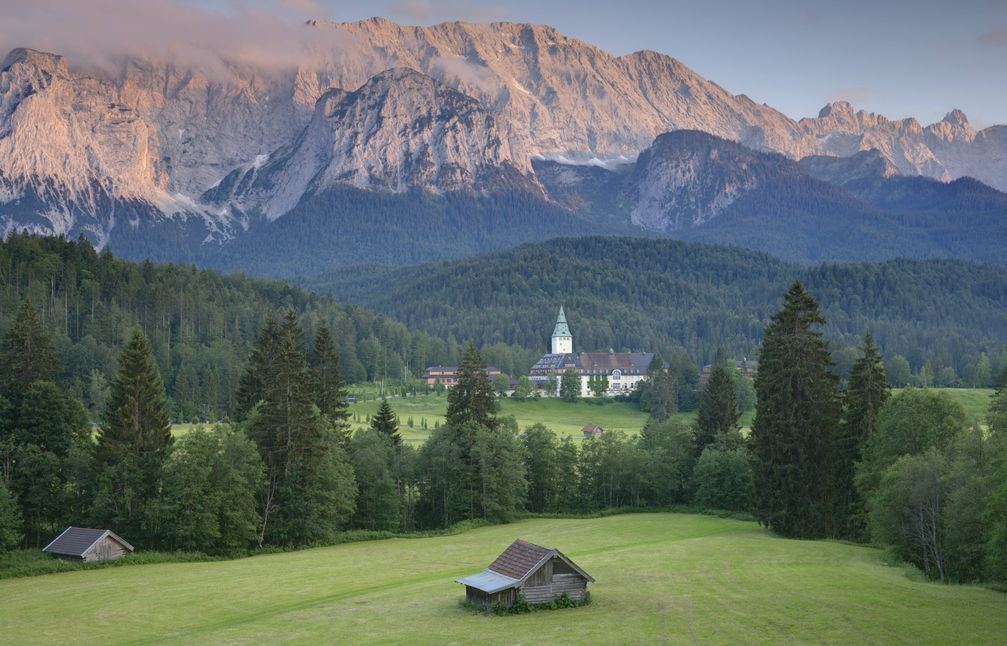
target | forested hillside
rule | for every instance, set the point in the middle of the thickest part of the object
(200, 323)
(349, 226)
(948, 319)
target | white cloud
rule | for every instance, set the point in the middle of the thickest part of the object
(96, 33)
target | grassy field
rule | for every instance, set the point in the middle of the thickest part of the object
(566, 418)
(561, 417)
(975, 401)
(661, 578)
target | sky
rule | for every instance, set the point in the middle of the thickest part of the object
(896, 57)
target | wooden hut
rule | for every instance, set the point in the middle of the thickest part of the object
(540, 574)
(84, 544)
(591, 431)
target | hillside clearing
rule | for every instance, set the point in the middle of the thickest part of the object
(660, 578)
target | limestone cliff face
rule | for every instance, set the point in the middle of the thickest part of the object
(400, 130)
(688, 178)
(477, 104)
(65, 140)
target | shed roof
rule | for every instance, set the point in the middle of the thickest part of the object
(78, 541)
(489, 581)
(514, 565)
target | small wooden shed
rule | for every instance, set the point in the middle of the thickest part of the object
(85, 544)
(591, 431)
(540, 574)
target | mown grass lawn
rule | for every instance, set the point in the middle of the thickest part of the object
(661, 578)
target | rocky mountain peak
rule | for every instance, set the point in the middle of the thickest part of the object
(866, 164)
(955, 118)
(35, 59)
(837, 110)
(687, 178)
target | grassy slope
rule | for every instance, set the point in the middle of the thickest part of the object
(660, 578)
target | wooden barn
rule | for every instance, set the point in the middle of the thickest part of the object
(83, 544)
(539, 573)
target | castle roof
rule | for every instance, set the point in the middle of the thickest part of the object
(595, 363)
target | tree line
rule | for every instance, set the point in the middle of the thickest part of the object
(938, 322)
(200, 324)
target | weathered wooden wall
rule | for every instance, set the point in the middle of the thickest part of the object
(478, 597)
(106, 550)
(551, 581)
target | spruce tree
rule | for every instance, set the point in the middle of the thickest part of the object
(309, 482)
(133, 441)
(26, 354)
(324, 361)
(472, 399)
(717, 419)
(866, 393)
(251, 387)
(135, 423)
(795, 423)
(385, 422)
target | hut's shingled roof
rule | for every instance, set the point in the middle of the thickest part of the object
(76, 541)
(519, 559)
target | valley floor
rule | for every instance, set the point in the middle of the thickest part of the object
(661, 578)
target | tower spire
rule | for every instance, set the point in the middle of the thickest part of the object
(562, 339)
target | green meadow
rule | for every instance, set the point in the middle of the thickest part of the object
(660, 578)
(566, 418)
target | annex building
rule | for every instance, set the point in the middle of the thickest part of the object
(622, 369)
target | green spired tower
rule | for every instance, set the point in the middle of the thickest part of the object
(562, 340)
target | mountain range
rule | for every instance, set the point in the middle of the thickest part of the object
(535, 133)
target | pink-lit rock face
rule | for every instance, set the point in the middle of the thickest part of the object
(377, 105)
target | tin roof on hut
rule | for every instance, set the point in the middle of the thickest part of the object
(515, 565)
(80, 541)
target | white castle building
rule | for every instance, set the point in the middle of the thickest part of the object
(622, 369)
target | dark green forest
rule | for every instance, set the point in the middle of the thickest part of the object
(938, 322)
(200, 323)
(347, 226)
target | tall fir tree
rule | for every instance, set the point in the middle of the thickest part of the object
(793, 436)
(136, 420)
(472, 400)
(717, 419)
(309, 482)
(251, 387)
(26, 354)
(385, 422)
(330, 389)
(867, 392)
(133, 441)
